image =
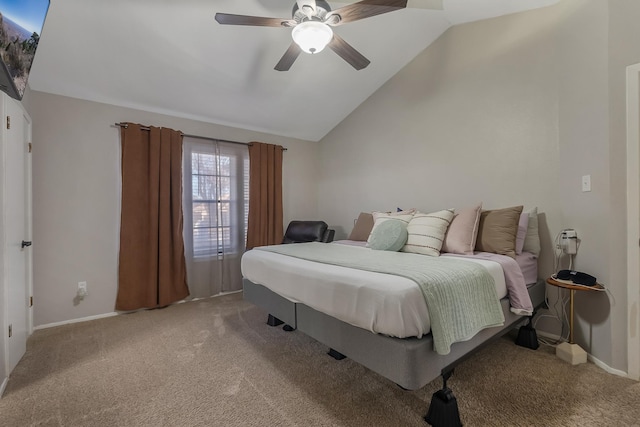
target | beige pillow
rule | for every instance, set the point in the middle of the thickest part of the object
(498, 230)
(362, 228)
(463, 230)
(380, 217)
(426, 232)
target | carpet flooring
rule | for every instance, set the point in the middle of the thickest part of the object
(215, 362)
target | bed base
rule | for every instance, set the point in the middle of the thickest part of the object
(409, 362)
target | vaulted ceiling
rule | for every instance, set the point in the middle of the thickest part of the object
(172, 57)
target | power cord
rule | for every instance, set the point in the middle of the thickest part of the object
(559, 309)
(557, 312)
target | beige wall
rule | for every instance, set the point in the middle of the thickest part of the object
(512, 110)
(76, 196)
(473, 118)
(582, 52)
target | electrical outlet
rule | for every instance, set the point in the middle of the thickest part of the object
(82, 289)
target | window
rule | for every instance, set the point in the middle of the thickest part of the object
(216, 198)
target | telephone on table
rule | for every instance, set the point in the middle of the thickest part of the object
(576, 277)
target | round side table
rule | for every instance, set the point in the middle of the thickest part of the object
(570, 351)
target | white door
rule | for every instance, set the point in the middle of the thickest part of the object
(633, 221)
(16, 152)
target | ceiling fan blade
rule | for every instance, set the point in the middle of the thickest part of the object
(230, 19)
(425, 4)
(288, 58)
(363, 9)
(348, 52)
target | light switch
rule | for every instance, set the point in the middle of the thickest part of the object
(586, 183)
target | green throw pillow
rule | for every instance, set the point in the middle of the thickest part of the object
(389, 235)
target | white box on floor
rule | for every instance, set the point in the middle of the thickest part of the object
(571, 353)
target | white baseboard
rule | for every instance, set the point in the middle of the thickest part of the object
(221, 294)
(599, 363)
(101, 316)
(3, 386)
(82, 319)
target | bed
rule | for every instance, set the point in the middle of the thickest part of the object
(409, 360)
(346, 310)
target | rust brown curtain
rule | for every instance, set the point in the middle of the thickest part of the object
(265, 195)
(151, 269)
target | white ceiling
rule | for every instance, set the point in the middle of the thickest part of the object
(171, 57)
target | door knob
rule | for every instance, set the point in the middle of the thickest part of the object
(24, 244)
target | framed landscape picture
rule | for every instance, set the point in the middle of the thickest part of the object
(21, 23)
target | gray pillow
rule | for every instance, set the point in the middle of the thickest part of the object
(388, 236)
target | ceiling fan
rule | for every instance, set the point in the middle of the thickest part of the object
(312, 21)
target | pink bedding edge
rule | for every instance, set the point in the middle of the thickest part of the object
(528, 263)
(516, 286)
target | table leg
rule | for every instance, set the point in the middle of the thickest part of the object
(571, 316)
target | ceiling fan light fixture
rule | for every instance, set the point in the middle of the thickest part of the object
(312, 36)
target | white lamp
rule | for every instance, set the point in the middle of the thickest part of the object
(312, 36)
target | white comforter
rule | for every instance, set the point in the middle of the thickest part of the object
(380, 303)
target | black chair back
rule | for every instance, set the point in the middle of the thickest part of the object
(308, 231)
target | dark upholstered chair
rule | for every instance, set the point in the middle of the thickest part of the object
(308, 231)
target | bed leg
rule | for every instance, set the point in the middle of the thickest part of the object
(288, 328)
(274, 321)
(443, 411)
(527, 336)
(336, 354)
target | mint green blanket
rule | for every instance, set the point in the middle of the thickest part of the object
(460, 295)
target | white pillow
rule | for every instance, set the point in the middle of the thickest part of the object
(426, 232)
(523, 226)
(532, 239)
(380, 217)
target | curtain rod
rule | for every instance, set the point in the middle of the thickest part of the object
(124, 125)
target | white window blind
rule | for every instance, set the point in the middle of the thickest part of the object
(216, 198)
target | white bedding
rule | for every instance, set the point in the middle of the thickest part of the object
(380, 303)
